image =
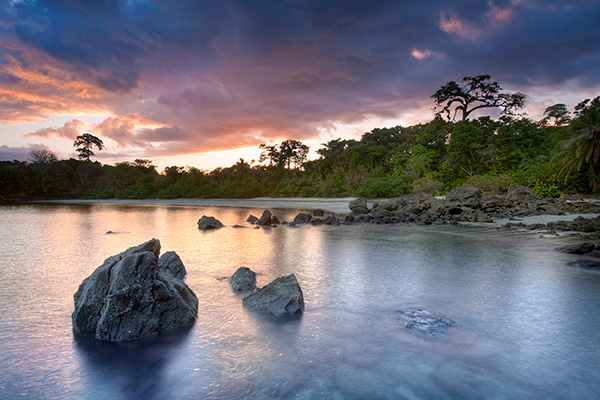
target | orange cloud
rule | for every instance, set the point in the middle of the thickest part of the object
(69, 130)
(453, 25)
(33, 89)
(498, 15)
(423, 54)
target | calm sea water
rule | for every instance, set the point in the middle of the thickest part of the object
(528, 326)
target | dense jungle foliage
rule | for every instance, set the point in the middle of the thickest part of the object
(555, 155)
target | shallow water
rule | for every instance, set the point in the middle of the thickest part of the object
(528, 326)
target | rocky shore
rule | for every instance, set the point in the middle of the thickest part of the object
(462, 206)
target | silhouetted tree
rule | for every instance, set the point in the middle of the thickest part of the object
(560, 114)
(42, 156)
(84, 144)
(474, 93)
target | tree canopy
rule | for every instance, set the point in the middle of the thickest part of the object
(84, 144)
(474, 93)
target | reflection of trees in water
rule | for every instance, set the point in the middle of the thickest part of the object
(137, 370)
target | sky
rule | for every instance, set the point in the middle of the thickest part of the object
(203, 83)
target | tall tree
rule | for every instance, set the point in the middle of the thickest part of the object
(289, 152)
(475, 93)
(560, 114)
(583, 149)
(42, 156)
(84, 144)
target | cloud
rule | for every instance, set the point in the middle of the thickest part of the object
(196, 76)
(70, 130)
(19, 153)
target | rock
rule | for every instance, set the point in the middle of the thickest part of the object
(135, 295)
(522, 195)
(318, 212)
(465, 196)
(425, 322)
(580, 248)
(243, 280)
(359, 206)
(480, 216)
(282, 297)
(303, 218)
(265, 218)
(275, 220)
(171, 263)
(252, 219)
(206, 223)
(585, 264)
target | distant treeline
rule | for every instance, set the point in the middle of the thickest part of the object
(555, 155)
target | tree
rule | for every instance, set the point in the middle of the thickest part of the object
(42, 156)
(560, 114)
(474, 93)
(289, 152)
(84, 144)
(583, 149)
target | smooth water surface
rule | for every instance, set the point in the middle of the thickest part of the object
(528, 326)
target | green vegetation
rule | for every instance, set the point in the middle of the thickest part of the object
(557, 154)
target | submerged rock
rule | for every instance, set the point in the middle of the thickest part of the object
(206, 223)
(585, 264)
(135, 295)
(425, 322)
(243, 280)
(282, 297)
(580, 248)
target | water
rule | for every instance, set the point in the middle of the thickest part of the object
(528, 326)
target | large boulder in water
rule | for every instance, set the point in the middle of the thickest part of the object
(135, 295)
(206, 223)
(282, 297)
(243, 280)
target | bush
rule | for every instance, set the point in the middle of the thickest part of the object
(382, 187)
(426, 185)
(490, 184)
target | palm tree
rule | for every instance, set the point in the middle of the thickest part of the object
(584, 147)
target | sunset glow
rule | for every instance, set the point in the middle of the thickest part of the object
(203, 84)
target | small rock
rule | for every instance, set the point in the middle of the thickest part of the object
(243, 280)
(265, 218)
(282, 297)
(303, 218)
(206, 223)
(359, 206)
(252, 219)
(465, 196)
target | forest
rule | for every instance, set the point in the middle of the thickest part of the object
(555, 155)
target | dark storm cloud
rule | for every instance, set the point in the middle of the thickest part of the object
(205, 74)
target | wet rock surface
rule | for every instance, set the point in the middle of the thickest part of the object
(208, 223)
(135, 295)
(282, 297)
(243, 280)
